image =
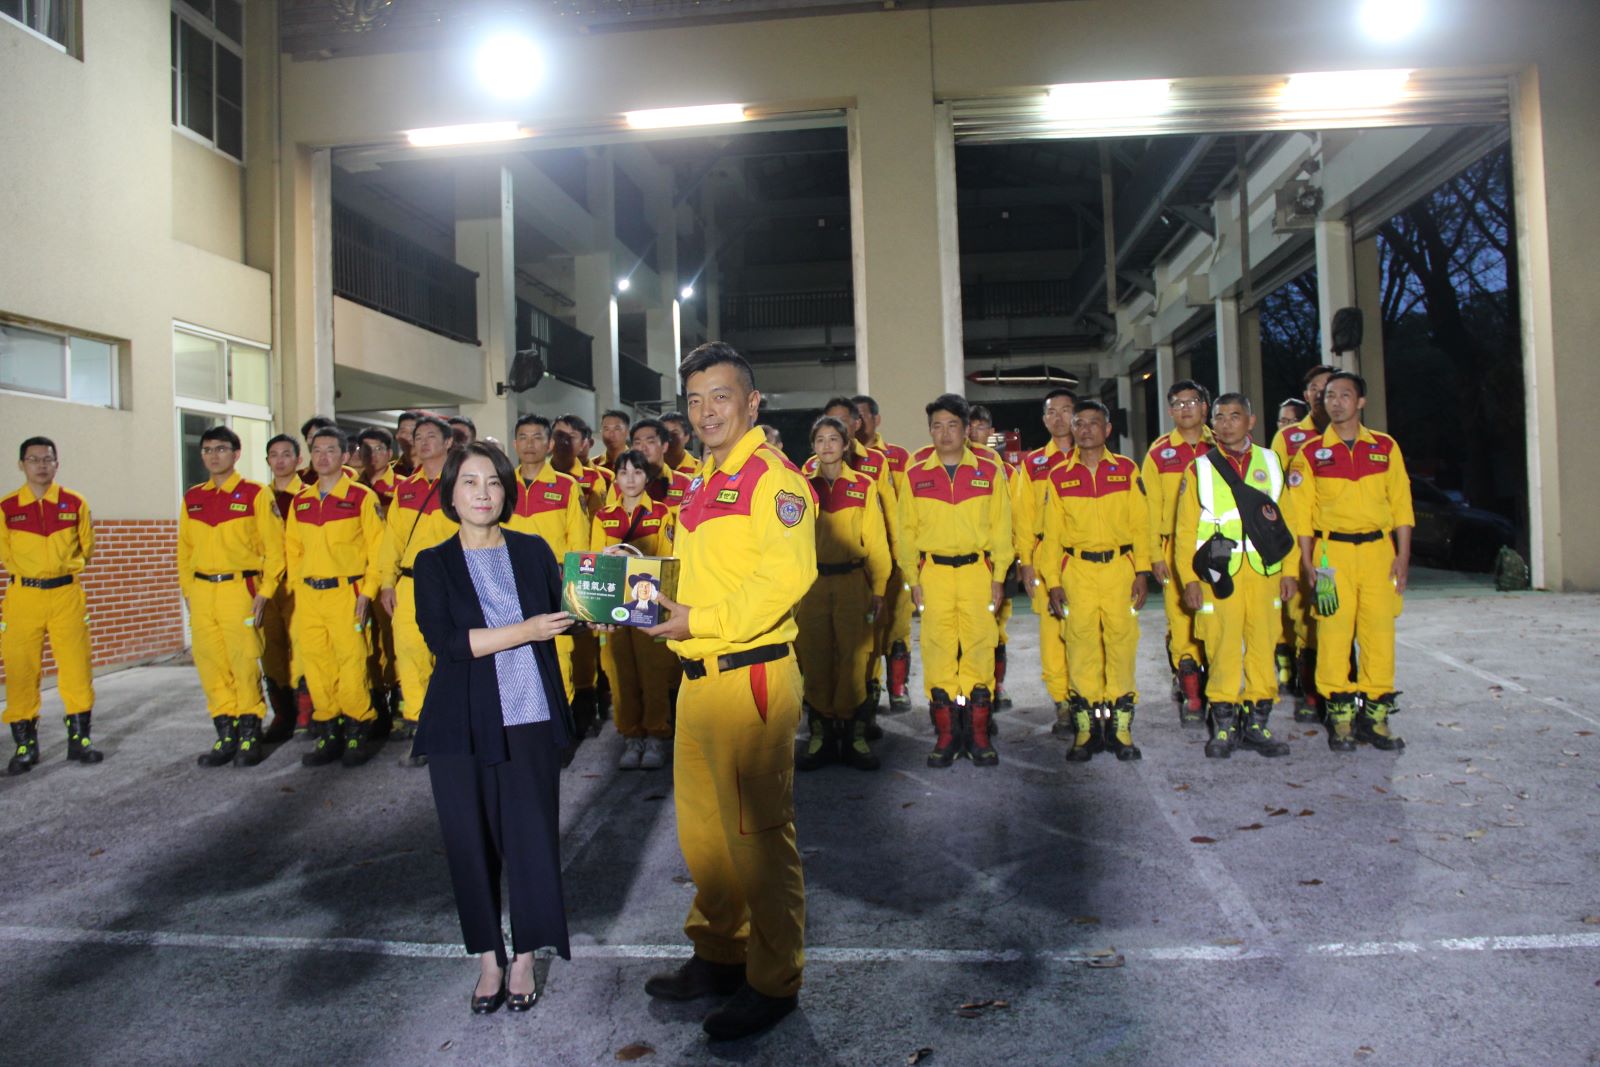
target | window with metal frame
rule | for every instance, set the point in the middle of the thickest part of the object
(44, 362)
(54, 20)
(208, 72)
(221, 381)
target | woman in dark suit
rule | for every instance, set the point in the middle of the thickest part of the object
(495, 722)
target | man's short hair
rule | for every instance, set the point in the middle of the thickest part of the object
(863, 398)
(502, 469)
(979, 413)
(1092, 405)
(1058, 391)
(531, 419)
(613, 413)
(312, 423)
(716, 353)
(378, 434)
(1349, 376)
(1188, 385)
(1300, 407)
(1316, 372)
(655, 426)
(436, 422)
(44, 442)
(678, 419)
(842, 402)
(329, 431)
(1236, 399)
(462, 420)
(577, 423)
(223, 434)
(951, 403)
(407, 416)
(284, 438)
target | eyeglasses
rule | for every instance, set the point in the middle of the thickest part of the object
(217, 450)
(1186, 402)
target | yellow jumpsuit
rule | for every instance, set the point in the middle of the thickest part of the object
(1028, 501)
(333, 542)
(894, 624)
(1096, 539)
(550, 504)
(1342, 495)
(836, 637)
(957, 541)
(415, 522)
(381, 671)
(230, 550)
(44, 545)
(1240, 631)
(279, 665)
(643, 670)
(1163, 470)
(1299, 624)
(747, 550)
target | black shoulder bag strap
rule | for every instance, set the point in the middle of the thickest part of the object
(420, 512)
(1259, 515)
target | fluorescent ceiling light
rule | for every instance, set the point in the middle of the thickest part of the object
(1344, 90)
(1391, 20)
(471, 133)
(1109, 100)
(509, 66)
(668, 117)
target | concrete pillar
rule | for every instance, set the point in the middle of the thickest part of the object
(1138, 416)
(1250, 374)
(1166, 372)
(1336, 283)
(1229, 345)
(596, 280)
(661, 341)
(486, 243)
(305, 323)
(1370, 362)
(904, 252)
(710, 275)
(1124, 427)
(661, 323)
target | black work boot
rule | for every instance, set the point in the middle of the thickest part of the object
(1254, 734)
(979, 722)
(1086, 738)
(1224, 730)
(585, 713)
(281, 699)
(79, 747)
(1063, 727)
(870, 711)
(819, 750)
(1372, 723)
(696, 978)
(1001, 700)
(749, 1012)
(853, 747)
(226, 744)
(1309, 707)
(1283, 661)
(26, 734)
(899, 671)
(1119, 730)
(250, 738)
(328, 736)
(1341, 722)
(946, 730)
(1191, 694)
(358, 742)
(383, 725)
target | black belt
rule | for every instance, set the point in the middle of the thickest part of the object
(840, 568)
(407, 572)
(1352, 538)
(954, 561)
(695, 668)
(1101, 557)
(329, 583)
(218, 578)
(46, 583)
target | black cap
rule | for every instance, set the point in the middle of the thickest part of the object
(1211, 564)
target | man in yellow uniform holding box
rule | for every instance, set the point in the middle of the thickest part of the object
(416, 521)
(956, 542)
(1029, 496)
(230, 565)
(747, 551)
(331, 548)
(1350, 499)
(1239, 618)
(1189, 402)
(46, 538)
(1096, 550)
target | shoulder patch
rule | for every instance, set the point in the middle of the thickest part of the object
(1295, 479)
(791, 508)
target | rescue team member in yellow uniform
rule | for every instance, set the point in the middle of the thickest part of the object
(416, 521)
(1097, 545)
(957, 543)
(1291, 411)
(837, 616)
(570, 441)
(650, 438)
(891, 651)
(1300, 629)
(375, 459)
(1351, 498)
(1189, 403)
(1239, 618)
(613, 439)
(331, 546)
(46, 539)
(1028, 501)
(979, 430)
(308, 473)
(679, 437)
(549, 504)
(279, 665)
(230, 564)
(403, 426)
(643, 670)
(746, 546)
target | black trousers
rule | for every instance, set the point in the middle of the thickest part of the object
(505, 817)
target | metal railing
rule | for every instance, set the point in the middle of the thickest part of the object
(1015, 300)
(567, 352)
(386, 272)
(636, 382)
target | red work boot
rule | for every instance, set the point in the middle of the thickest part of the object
(899, 674)
(1191, 699)
(945, 742)
(302, 708)
(1309, 707)
(979, 741)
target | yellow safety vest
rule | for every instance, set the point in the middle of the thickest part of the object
(1220, 512)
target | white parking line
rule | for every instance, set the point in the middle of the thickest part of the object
(1495, 679)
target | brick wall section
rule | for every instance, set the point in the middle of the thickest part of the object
(135, 608)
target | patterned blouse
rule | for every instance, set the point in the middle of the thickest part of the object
(522, 698)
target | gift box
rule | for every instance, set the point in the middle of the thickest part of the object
(618, 590)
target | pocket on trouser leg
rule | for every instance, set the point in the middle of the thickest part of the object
(766, 797)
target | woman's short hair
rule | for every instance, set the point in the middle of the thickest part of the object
(502, 469)
(830, 422)
(632, 458)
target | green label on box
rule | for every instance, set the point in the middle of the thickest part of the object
(620, 590)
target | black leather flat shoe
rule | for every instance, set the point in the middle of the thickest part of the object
(521, 1001)
(490, 1004)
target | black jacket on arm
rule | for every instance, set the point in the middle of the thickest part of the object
(461, 715)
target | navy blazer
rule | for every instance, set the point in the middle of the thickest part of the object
(461, 714)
